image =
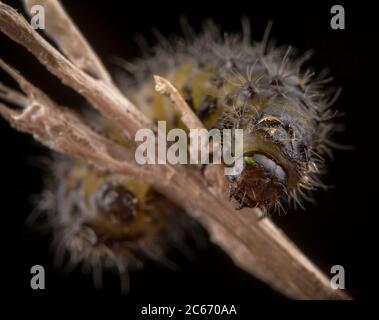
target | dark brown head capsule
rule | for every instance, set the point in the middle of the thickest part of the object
(261, 183)
(274, 157)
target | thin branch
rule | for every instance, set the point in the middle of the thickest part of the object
(69, 39)
(106, 98)
(63, 131)
(12, 96)
(214, 173)
(188, 117)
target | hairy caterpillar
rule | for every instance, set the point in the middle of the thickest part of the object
(259, 88)
(105, 220)
(229, 83)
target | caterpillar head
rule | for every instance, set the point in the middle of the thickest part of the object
(278, 156)
(261, 181)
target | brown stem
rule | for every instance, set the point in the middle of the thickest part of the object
(66, 35)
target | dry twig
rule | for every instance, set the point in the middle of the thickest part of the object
(69, 39)
(188, 117)
(255, 245)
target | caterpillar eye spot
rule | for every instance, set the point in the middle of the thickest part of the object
(261, 182)
(117, 201)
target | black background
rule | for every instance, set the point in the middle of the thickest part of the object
(338, 230)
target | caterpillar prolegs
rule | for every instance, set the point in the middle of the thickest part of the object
(109, 220)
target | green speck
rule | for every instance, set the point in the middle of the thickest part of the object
(249, 160)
